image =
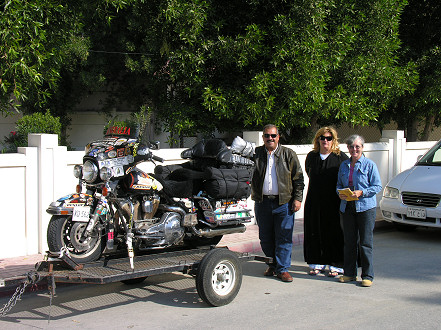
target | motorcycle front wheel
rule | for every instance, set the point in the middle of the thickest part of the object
(62, 232)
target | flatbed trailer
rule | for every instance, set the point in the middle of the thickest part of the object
(217, 271)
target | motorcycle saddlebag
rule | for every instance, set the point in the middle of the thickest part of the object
(204, 149)
(163, 171)
(179, 181)
(227, 183)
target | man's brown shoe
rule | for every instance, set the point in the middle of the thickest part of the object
(269, 272)
(285, 277)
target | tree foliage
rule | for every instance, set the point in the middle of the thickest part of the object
(41, 40)
(206, 65)
(34, 39)
(292, 63)
(420, 33)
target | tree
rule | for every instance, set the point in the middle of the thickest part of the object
(39, 39)
(33, 40)
(207, 65)
(291, 63)
(420, 32)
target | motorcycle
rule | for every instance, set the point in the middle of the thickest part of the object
(118, 207)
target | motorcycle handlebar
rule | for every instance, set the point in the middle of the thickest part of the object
(158, 159)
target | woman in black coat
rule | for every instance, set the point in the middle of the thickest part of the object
(323, 235)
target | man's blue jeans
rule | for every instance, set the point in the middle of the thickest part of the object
(358, 231)
(276, 225)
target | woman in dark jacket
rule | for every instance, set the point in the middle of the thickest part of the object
(323, 236)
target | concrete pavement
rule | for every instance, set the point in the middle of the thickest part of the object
(243, 242)
(406, 295)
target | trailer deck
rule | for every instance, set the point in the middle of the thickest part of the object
(217, 271)
(114, 270)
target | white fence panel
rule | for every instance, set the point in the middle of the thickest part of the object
(42, 172)
(412, 151)
(18, 234)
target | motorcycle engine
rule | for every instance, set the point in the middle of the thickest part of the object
(168, 231)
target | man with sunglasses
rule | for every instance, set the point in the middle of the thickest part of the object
(277, 189)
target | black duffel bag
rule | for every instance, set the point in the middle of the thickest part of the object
(228, 183)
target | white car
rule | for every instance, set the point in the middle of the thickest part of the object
(412, 198)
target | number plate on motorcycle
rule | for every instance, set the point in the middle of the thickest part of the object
(81, 213)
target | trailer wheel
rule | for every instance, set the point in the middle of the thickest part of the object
(219, 277)
(133, 281)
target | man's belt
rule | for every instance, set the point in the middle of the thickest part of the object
(271, 196)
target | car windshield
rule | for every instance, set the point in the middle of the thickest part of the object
(432, 157)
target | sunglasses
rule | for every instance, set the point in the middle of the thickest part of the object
(323, 138)
(268, 135)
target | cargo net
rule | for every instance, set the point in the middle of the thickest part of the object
(213, 168)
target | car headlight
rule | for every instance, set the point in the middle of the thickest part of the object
(105, 173)
(90, 171)
(78, 171)
(390, 192)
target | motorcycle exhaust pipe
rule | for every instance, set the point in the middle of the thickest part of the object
(209, 232)
(172, 209)
(206, 232)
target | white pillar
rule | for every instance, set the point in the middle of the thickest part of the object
(51, 168)
(399, 146)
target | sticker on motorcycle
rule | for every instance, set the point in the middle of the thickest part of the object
(114, 162)
(81, 213)
(120, 141)
(118, 171)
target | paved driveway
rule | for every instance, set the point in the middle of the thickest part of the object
(406, 294)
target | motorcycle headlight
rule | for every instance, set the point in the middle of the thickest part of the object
(90, 171)
(78, 171)
(105, 173)
(390, 192)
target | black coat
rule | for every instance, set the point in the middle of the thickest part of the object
(323, 235)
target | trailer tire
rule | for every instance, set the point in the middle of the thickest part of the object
(219, 277)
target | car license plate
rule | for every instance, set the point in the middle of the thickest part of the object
(416, 212)
(81, 213)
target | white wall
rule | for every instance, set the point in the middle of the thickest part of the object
(42, 172)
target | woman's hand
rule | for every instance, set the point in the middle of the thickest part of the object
(356, 194)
